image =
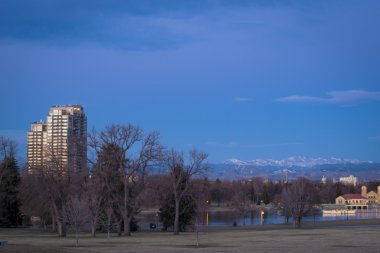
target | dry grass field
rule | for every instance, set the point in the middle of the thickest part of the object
(351, 236)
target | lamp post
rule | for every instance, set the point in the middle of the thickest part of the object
(207, 203)
(262, 212)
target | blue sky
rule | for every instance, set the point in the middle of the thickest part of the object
(244, 79)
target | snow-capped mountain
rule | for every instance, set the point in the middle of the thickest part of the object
(296, 166)
(299, 161)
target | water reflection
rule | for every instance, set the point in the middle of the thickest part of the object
(227, 218)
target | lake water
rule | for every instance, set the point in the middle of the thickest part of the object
(227, 218)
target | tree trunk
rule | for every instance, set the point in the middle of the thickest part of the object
(119, 227)
(59, 227)
(76, 236)
(108, 223)
(127, 231)
(297, 222)
(176, 217)
(53, 227)
(63, 228)
(93, 229)
(127, 227)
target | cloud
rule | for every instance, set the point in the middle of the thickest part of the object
(230, 144)
(348, 97)
(241, 99)
(296, 98)
(374, 138)
(139, 25)
(234, 144)
(125, 24)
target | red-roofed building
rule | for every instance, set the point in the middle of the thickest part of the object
(359, 201)
(352, 201)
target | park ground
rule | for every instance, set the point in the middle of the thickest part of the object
(338, 236)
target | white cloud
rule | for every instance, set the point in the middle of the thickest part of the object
(347, 97)
(234, 144)
(241, 99)
(374, 138)
(296, 98)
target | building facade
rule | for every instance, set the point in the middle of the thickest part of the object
(352, 201)
(36, 141)
(351, 180)
(372, 196)
(59, 144)
(359, 201)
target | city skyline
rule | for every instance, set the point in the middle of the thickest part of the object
(242, 79)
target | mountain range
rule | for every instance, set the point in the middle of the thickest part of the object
(296, 166)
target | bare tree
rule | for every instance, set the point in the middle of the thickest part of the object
(298, 199)
(77, 213)
(282, 207)
(51, 192)
(34, 199)
(221, 191)
(130, 155)
(241, 198)
(51, 184)
(180, 175)
(200, 190)
(93, 195)
(156, 191)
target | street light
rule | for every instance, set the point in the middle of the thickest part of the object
(207, 202)
(262, 212)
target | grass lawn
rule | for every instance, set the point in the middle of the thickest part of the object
(350, 236)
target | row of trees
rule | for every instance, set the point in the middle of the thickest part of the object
(294, 199)
(111, 192)
(119, 182)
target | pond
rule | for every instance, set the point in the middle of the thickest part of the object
(227, 218)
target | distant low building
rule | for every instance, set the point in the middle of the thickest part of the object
(373, 197)
(352, 201)
(351, 180)
(359, 201)
(324, 180)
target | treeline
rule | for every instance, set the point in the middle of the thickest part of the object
(129, 171)
(113, 189)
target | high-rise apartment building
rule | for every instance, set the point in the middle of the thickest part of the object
(59, 144)
(36, 141)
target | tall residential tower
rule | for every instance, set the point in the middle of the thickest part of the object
(59, 144)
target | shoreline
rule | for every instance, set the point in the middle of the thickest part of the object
(204, 228)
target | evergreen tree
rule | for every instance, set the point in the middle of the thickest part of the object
(338, 190)
(352, 189)
(265, 195)
(9, 194)
(188, 207)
